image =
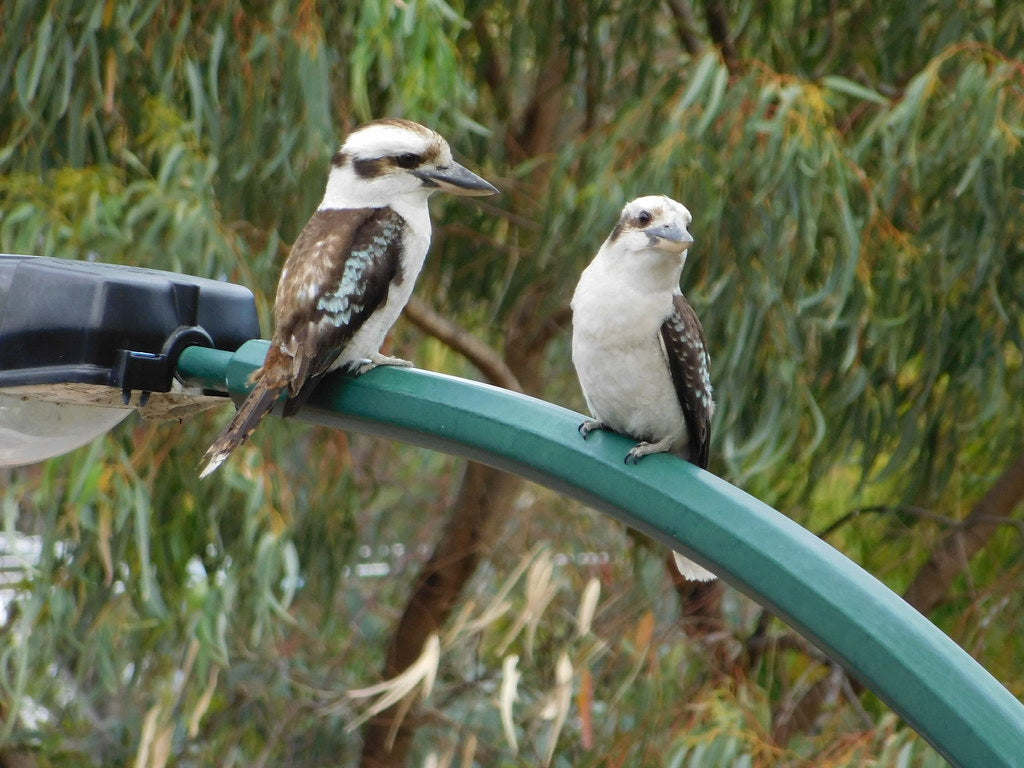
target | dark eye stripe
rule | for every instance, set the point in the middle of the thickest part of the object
(369, 169)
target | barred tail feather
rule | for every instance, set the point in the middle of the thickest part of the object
(690, 571)
(256, 406)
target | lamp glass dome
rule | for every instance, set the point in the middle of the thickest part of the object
(34, 430)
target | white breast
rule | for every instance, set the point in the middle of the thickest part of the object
(619, 356)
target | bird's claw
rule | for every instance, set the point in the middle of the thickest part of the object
(636, 453)
(359, 367)
(588, 426)
(367, 364)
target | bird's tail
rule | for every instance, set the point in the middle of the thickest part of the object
(690, 570)
(257, 405)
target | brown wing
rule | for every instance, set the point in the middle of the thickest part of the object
(339, 271)
(690, 365)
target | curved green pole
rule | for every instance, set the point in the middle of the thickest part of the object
(965, 713)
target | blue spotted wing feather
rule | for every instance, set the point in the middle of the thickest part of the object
(351, 258)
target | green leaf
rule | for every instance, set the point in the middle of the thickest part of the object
(851, 88)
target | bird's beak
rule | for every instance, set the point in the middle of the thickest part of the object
(456, 179)
(671, 237)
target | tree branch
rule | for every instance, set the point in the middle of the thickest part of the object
(956, 549)
(545, 111)
(686, 25)
(530, 330)
(483, 357)
(718, 27)
(493, 69)
(931, 583)
(485, 498)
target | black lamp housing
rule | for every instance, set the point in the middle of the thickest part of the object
(67, 321)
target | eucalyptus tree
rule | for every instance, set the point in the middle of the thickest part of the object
(855, 179)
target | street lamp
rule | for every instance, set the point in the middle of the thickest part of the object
(83, 344)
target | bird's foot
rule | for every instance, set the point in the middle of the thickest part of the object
(359, 367)
(589, 426)
(378, 359)
(644, 448)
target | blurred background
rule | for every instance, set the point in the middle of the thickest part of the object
(856, 175)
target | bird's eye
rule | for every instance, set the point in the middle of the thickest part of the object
(408, 160)
(643, 218)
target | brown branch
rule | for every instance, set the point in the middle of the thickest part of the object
(956, 549)
(799, 715)
(949, 558)
(885, 509)
(553, 325)
(487, 495)
(486, 498)
(716, 15)
(530, 330)
(493, 211)
(17, 759)
(686, 25)
(544, 112)
(493, 68)
(11, 756)
(483, 357)
(757, 646)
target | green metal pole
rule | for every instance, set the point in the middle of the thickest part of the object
(964, 712)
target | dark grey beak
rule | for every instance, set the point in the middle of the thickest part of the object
(456, 179)
(670, 237)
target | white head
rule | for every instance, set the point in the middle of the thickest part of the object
(653, 222)
(650, 237)
(649, 243)
(387, 160)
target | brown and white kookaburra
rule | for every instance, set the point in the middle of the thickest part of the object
(637, 345)
(352, 268)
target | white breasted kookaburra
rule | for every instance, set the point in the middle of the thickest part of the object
(637, 345)
(352, 268)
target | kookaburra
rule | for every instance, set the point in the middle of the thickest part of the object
(637, 345)
(352, 268)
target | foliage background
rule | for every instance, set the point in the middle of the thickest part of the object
(857, 182)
